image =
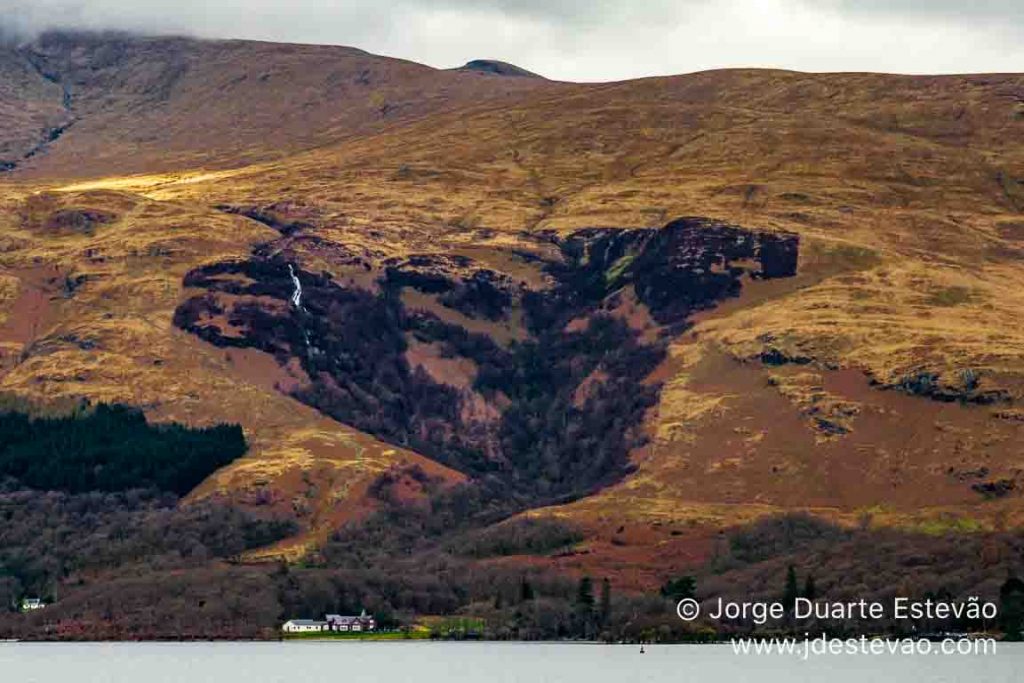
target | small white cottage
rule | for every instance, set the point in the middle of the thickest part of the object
(332, 622)
(30, 604)
(304, 626)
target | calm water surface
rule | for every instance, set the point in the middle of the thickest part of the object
(424, 662)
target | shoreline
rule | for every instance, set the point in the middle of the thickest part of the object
(399, 638)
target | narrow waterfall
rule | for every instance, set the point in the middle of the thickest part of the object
(297, 302)
(297, 294)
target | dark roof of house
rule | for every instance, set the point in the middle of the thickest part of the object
(306, 622)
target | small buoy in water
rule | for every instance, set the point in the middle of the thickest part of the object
(641, 649)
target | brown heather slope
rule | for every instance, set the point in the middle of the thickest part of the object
(884, 380)
(144, 104)
(89, 306)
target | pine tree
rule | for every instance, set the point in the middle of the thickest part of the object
(810, 590)
(1011, 608)
(585, 593)
(525, 591)
(792, 591)
(677, 589)
(585, 607)
(605, 608)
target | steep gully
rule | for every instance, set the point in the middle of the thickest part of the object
(546, 419)
(52, 133)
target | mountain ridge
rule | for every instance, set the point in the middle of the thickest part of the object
(125, 86)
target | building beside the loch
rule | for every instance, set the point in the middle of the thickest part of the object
(32, 604)
(332, 623)
(303, 626)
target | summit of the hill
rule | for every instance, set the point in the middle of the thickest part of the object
(498, 68)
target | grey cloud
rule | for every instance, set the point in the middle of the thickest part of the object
(575, 12)
(311, 16)
(1005, 17)
(595, 40)
(970, 11)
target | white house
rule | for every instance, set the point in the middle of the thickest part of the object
(332, 622)
(304, 626)
(29, 604)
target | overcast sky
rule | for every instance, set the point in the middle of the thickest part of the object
(595, 39)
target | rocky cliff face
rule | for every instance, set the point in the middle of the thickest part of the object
(553, 414)
(33, 109)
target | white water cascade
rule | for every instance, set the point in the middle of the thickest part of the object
(297, 294)
(297, 302)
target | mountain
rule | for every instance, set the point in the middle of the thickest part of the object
(494, 66)
(145, 104)
(647, 311)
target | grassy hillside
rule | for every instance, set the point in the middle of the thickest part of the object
(882, 379)
(142, 104)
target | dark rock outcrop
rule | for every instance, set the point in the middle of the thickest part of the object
(965, 389)
(498, 68)
(545, 440)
